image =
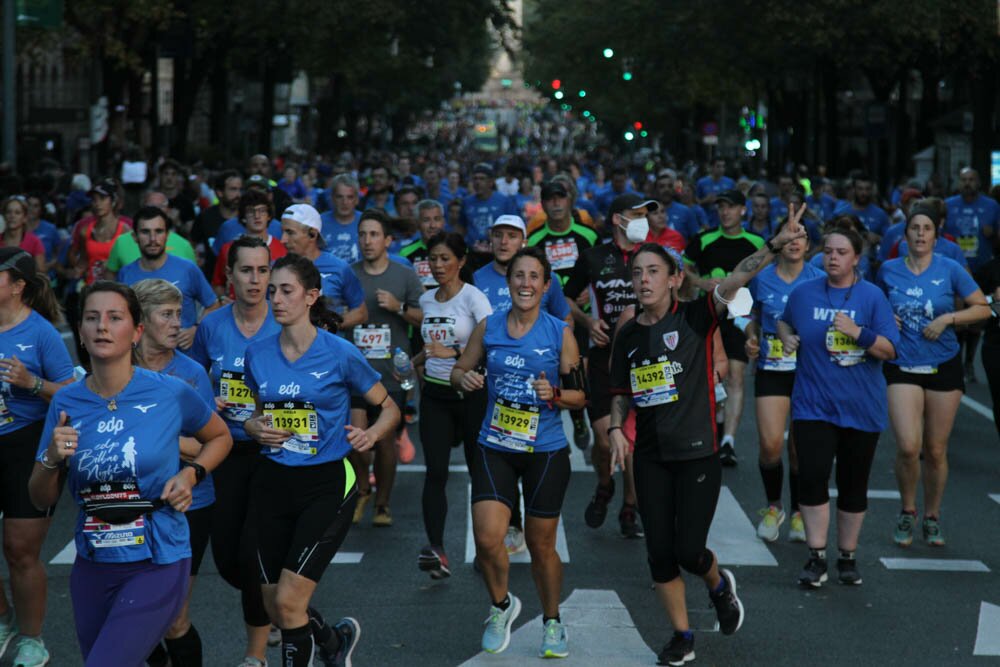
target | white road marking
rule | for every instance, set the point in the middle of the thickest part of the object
(875, 494)
(935, 564)
(599, 631)
(524, 557)
(988, 631)
(977, 407)
(66, 556)
(995, 497)
(347, 557)
(733, 537)
(420, 467)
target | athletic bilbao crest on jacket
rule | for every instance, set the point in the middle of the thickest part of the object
(670, 340)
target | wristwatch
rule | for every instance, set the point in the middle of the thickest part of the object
(199, 470)
(402, 308)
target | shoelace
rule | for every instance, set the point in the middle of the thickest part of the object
(553, 631)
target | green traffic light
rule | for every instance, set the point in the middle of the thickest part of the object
(609, 53)
(582, 93)
(629, 136)
(644, 134)
(586, 114)
(627, 76)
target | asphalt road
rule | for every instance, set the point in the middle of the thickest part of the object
(910, 616)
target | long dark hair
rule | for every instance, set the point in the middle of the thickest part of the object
(320, 314)
(37, 294)
(456, 244)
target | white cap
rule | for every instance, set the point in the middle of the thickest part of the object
(304, 214)
(514, 221)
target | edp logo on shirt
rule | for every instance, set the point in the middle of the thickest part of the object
(290, 389)
(113, 426)
(514, 361)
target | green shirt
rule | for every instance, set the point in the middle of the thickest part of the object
(126, 250)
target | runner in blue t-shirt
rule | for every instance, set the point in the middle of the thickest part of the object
(481, 208)
(34, 365)
(151, 228)
(925, 381)
(304, 491)
(841, 328)
(220, 347)
(157, 351)
(533, 369)
(301, 232)
(774, 380)
(340, 223)
(873, 217)
(114, 436)
(707, 187)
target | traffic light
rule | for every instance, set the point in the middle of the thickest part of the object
(582, 93)
(644, 134)
(629, 136)
(637, 125)
(609, 53)
(556, 84)
(559, 95)
(586, 113)
(752, 144)
(627, 75)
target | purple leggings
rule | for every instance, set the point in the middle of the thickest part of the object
(123, 609)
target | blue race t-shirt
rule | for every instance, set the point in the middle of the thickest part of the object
(770, 294)
(187, 369)
(129, 453)
(232, 229)
(682, 219)
(823, 205)
(516, 420)
(494, 286)
(341, 240)
(968, 222)
(478, 215)
(37, 345)
(220, 347)
(311, 396)
(943, 247)
(182, 274)
(835, 380)
(918, 299)
(338, 283)
(872, 217)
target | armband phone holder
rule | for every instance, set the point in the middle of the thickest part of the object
(741, 304)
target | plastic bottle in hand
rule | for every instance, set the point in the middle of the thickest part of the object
(404, 369)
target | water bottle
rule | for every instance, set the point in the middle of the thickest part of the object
(401, 362)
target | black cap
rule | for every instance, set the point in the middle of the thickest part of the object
(554, 189)
(732, 196)
(258, 181)
(21, 261)
(483, 168)
(631, 201)
(108, 187)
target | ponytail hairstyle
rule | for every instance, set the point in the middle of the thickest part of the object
(320, 314)
(37, 294)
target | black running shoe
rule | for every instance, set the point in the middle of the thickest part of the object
(597, 510)
(581, 433)
(847, 569)
(727, 455)
(628, 520)
(349, 632)
(814, 573)
(679, 650)
(728, 608)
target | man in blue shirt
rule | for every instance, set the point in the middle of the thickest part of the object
(709, 186)
(679, 217)
(481, 208)
(619, 186)
(151, 230)
(875, 220)
(380, 192)
(779, 204)
(340, 224)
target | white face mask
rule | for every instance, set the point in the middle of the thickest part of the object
(637, 230)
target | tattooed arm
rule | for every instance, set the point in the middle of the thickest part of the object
(619, 443)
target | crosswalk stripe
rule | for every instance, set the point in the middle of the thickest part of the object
(347, 557)
(995, 497)
(733, 537)
(875, 494)
(599, 631)
(934, 564)
(562, 548)
(988, 630)
(977, 407)
(66, 556)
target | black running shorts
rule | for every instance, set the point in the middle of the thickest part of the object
(544, 477)
(17, 460)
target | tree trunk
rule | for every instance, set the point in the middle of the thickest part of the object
(929, 105)
(220, 124)
(832, 119)
(266, 109)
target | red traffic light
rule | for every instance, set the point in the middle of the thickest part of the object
(637, 125)
(556, 84)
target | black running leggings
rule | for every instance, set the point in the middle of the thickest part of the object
(234, 547)
(817, 443)
(677, 502)
(991, 364)
(446, 419)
